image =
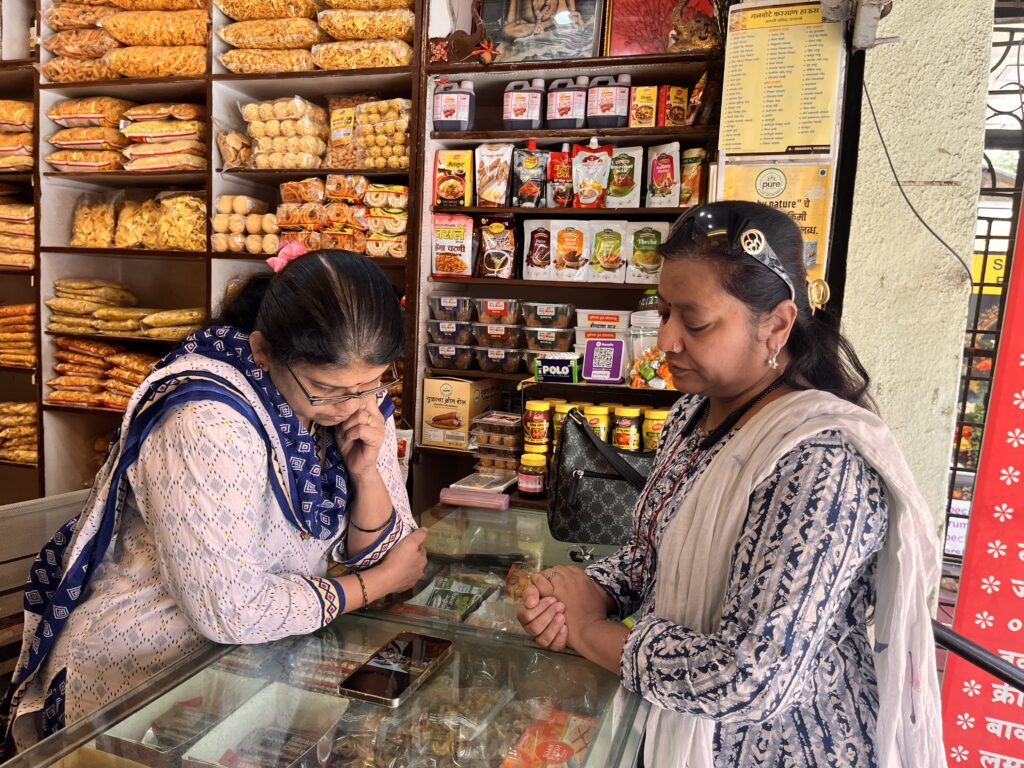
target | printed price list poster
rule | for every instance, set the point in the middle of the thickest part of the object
(783, 68)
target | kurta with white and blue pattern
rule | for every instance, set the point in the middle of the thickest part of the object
(789, 676)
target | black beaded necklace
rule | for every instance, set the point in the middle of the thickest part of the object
(706, 441)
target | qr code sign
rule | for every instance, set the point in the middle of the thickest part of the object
(603, 358)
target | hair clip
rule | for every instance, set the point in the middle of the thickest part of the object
(289, 252)
(818, 294)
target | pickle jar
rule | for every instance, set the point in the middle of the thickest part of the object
(626, 428)
(561, 411)
(654, 423)
(533, 475)
(537, 422)
(597, 417)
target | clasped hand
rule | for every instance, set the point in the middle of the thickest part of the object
(558, 605)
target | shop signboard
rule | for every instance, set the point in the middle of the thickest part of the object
(984, 718)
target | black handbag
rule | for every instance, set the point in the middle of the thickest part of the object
(593, 487)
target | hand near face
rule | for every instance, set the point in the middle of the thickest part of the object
(360, 437)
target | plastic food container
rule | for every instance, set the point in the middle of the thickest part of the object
(499, 360)
(583, 335)
(498, 428)
(499, 311)
(490, 457)
(539, 315)
(607, 319)
(481, 437)
(550, 339)
(451, 308)
(454, 356)
(450, 332)
(496, 335)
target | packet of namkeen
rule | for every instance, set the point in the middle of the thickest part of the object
(165, 111)
(94, 221)
(85, 160)
(305, 191)
(16, 116)
(171, 317)
(19, 213)
(66, 69)
(102, 111)
(313, 145)
(17, 244)
(15, 163)
(16, 144)
(164, 163)
(242, 61)
(158, 61)
(159, 27)
(368, 25)
(362, 54)
(80, 43)
(289, 108)
(62, 16)
(235, 149)
(246, 10)
(10, 228)
(137, 225)
(182, 225)
(92, 137)
(160, 5)
(370, 5)
(179, 147)
(171, 332)
(273, 34)
(158, 131)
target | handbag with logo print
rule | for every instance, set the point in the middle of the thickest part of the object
(594, 487)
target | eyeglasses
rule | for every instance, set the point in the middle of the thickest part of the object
(315, 400)
(743, 238)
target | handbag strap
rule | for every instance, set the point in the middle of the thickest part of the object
(637, 480)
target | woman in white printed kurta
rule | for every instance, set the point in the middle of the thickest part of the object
(204, 550)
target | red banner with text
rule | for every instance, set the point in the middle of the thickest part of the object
(983, 718)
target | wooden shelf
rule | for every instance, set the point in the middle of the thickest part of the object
(111, 337)
(699, 57)
(125, 82)
(6, 463)
(560, 213)
(433, 449)
(9, 269)
(71, 408)
(686, 135)
(17, 177)
(475, 374)
(277, 175)
(17, 369)
(130, 179)
(317, 74)
(541, 283)
(126, 253)
(478, 374)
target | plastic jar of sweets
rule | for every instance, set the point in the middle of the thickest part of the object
(533, 475)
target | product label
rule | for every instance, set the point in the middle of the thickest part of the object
(609, 101)
(497, 355)
(446, 327)
(567, 105)
(343, 123)
(548, 337)
(449, 302)
(496, 307)
(451, 106)
(531, 483)
(446, 351)
(496, 330)
(546, 311)
(521, 106)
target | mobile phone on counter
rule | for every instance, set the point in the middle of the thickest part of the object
(396, 669)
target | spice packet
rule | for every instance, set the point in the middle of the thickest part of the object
(696, 100)
(493, 171)
(591, 166)
(624, 182)
(663, 176)
(691, 177)
(497, 247)
(453, 178)
(643, 244)
(672, 105)
(451, 245)
(560, 178)
(570, 244)
(531, 175)
(536, 249)
(608, 253)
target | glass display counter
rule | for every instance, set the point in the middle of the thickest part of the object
(499, 701)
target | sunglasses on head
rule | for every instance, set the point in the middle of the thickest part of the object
(742, 237)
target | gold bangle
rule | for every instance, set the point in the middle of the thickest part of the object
(379, 528)
(362, 586)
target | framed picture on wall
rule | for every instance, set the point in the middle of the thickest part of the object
(638, 27)
(544, 30)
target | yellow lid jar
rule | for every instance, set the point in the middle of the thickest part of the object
(599, 420)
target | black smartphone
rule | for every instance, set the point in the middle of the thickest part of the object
(396, 669)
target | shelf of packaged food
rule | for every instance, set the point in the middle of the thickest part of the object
(539, 283)
(525, 377)
(566, 212)
(20, 177)
(8, 269)
(127, 253)
(126, 83)
(71, 408)
(475, 374)
(371, 76)
(129, 179)
(22, 465)
(111, 337)
(682, 134)
(17, 369)
(620, 62)
(438, 451)
(277, 175)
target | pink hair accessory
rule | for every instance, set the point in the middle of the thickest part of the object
(289, 252)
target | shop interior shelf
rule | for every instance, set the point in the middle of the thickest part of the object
(22, 465)
(697, 59)
(567, 212)
(277, 175)
(127, 253)
(129, 179)
(373, 76)
(17, 178)
(129, 85)
(110, 337)
(9, 269)
(684, 134)
(71, 408)
(17, 369)
(541, 283)
(476, 374)
(525, 377)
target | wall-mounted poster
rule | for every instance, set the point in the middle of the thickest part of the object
(541, 30)
(637, 27)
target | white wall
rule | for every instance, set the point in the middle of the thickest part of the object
(905, 303)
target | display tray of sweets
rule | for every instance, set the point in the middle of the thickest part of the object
(318, 663)
(278, 727)
(158, 734)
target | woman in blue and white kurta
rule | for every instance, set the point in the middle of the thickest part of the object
(780, 520)
(220, 508)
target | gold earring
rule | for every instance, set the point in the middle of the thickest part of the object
(773, 360)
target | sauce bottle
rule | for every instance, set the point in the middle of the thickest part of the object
(521, 109)
(454, 106)
(608, 102)
(567, 103)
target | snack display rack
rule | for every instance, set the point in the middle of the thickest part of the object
(168, 279)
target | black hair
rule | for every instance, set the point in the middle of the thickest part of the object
(324, 308)
(819, 353)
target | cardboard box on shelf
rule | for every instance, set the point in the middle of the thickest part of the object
(449, 405)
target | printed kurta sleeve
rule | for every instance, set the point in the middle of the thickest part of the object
(813, 527)
(401, 521)
(201, 486)
(618, 575)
